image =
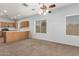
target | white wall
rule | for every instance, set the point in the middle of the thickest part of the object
(56, 26)
(5, 20)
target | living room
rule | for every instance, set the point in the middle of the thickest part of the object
(39, 29)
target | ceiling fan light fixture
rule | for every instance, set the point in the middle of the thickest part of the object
(45, 9)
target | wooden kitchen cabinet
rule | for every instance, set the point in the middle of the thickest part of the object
(7, 24)
(0, 33)
(24, 24)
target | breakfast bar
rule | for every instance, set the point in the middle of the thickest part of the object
(11, 36)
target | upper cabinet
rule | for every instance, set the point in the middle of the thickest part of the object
(24, 24)
(7, 24)
(13, 24)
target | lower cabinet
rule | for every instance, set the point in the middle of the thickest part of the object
(10, 36)
(0, 33)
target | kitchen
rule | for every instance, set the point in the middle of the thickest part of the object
(12, 31)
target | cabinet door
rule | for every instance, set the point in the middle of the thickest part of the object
(0, 24)
(24, 24)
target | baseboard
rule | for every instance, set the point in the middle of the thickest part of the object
(57, 42)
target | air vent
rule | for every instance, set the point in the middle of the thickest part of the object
(33, 9)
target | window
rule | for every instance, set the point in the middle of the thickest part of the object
(41, 26)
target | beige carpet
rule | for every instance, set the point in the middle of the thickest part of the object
(35, 47)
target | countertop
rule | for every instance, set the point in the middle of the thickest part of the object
(17, 30)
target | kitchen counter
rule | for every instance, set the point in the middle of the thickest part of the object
(14, 31)
(11, 36)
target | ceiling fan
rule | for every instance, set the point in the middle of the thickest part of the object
(50, 6)
(43, 7)
(46, 8)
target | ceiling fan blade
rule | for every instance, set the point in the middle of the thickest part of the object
(24, 4)
(51, 6)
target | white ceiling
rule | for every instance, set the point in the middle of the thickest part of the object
(14, 9)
